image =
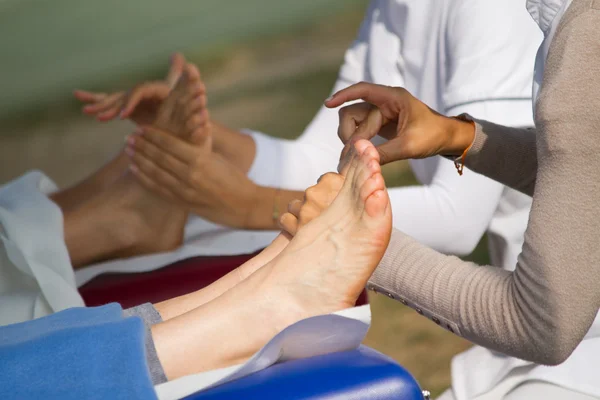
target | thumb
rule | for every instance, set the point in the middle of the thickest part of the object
(393, 150)
(370, 127)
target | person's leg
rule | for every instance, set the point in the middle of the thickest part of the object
(544, 390)
(125, 219)
(323, 269)
(175, 307)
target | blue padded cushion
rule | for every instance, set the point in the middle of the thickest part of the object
(358, 374)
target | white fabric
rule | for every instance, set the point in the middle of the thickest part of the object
(36, 277)
(341, 331)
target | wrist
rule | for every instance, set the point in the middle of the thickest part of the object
(237, 147)
(260, 208)
(460, 133)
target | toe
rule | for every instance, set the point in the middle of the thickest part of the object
(370, 186)
(368, 165)
(192, 73)
(377, 204)
(362, 145)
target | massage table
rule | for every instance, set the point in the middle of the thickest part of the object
(357, 374)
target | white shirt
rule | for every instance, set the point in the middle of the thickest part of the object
(450, 55)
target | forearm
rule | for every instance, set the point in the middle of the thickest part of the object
(451, 213)
(237, 147)
(507, 155)
(535, 313)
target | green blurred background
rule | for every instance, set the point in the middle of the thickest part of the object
(267, 64)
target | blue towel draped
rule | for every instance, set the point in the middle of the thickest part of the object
(79, 353)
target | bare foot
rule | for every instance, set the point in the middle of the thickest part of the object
(162, 221)
(180, 305)
(328, 263)
(130, 219)
(323, 269)
(183, 113)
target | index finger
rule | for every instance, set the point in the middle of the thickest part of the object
(366, 129)
(372, 93)
(88, 97)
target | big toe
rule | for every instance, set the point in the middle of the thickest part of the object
(364, 181)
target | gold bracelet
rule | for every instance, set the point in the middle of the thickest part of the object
(459, 163)
(275, 214)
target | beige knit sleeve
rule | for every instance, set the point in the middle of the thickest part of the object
(542, 310)
(505, 154)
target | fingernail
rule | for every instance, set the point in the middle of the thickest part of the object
(329, 98)
(133, 168)
(129, 151)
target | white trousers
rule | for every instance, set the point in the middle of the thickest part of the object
(529, 390)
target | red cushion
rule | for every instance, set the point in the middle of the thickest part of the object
(174, 280)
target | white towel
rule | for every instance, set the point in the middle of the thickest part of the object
(36, 276)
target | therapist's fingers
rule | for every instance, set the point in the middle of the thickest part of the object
(151, 185)
(137, 144)
(161, 181)
(378, 95)
(149, 90)
(350, 117)
(167, 143)
(88, 97)
(103, 105)
(394, 151)
(289, 223)
(113, 111)
(366, 126)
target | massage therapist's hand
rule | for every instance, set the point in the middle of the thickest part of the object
(316, 199)
(203, 181)
(139, 104)
(412, 128)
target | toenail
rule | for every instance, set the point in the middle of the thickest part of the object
(129, 151)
